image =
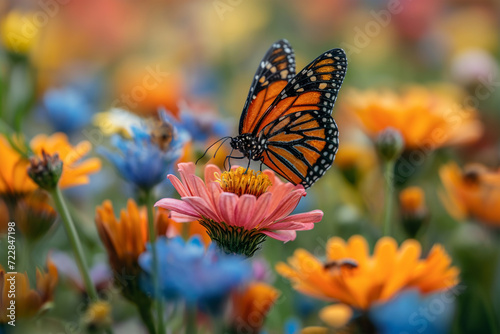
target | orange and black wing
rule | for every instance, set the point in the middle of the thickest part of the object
(273, 74)
(301, 135)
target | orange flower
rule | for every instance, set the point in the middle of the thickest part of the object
(74, 173)
(27, 301)
(125, 238)
(425, 118)
(251, 306)
(374, 278)
(13, 175)
(414, 212)
(474, 191)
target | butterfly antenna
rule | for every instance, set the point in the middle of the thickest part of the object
(217, 150)
(223, 138)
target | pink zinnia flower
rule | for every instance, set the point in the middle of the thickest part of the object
(239, 209)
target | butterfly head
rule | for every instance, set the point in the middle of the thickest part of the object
(247, 144)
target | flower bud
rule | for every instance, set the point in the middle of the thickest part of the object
(414, 212)
(389, 144)
(45, 172)
(34, 215)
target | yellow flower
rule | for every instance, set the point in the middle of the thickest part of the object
(251, 306)
(98, 315)
(27, 301)
(375, 278)
(426, 119)
(19, 32)
(14, 179)
(474, 191)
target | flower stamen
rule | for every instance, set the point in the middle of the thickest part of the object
(238, 182)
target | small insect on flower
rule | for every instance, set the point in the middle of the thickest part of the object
(339, 264)
(162, 134)
(286, 122)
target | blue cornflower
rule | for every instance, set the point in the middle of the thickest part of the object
(67, 109)
(142, 161)
(189, 272)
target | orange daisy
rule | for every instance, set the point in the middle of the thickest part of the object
(473, 191)
(250, 307)
(361, 280)
(425, 118)
(27, 301)
(13, 170)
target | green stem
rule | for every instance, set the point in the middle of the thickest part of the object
(147, 318)
(389, 197)
(156, 281)
(191, 319)
(490, 310)
(74, 241)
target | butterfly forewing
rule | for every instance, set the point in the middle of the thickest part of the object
(273, 74)
(301, 136)
(314, 88)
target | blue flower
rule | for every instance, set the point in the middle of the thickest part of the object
(67, 109)
(188, 272)
(143, 162)
(410, 313)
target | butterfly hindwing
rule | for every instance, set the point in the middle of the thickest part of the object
(301, 146)
(273, 74)
(314, 88)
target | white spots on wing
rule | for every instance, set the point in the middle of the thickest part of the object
(284, 74)
(328, 54)
(313, 78)
(322, 85)
(309, 73)
(296, 86)
(328, 95)
(268, 65)
(273, 69)
(300, 90)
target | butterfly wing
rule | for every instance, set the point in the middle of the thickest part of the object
(301, 135)
(274, 72)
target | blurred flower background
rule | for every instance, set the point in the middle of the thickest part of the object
(122, 91)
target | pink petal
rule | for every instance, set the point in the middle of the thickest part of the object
(180, 218)
(261, 208)
(201, 191)
(179, 206)
(291, 226)
(214, 192)
(285, 207)
(281, 235)
(306, 217)
(227, 207)
(202, 207)
(245, 211)
(185, 171)
(279, 193)
(210, 171)
(178, 185)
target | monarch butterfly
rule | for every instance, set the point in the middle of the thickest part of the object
(286, 121)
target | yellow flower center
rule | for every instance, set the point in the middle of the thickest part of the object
(238, 182)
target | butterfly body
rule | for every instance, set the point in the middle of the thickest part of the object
(286, 122)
